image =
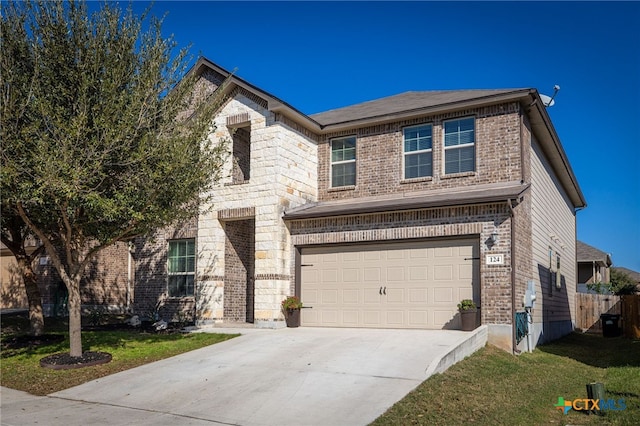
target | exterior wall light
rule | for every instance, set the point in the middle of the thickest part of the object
(493, 238)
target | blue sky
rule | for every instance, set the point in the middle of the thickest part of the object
(318, 56)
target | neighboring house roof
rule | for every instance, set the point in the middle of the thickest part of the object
(635, 276)
(409, 201)
(587, 253)
(415, 104)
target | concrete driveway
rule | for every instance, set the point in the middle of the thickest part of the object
(303, 376)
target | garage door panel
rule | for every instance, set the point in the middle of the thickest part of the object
(465, 293)
(329, 317)
(371, 318)
(448, 318)
(417, 295)
(310, 276)
(418, 273)
(424, 281)
(351, 296)
(443, 272)
(371, 255)
(443, 295)
(350, 318)
(329, 297)
(395, 296)
(418, 318)
(329, 276)
(351, 257)
(372, 296)
(396, 273)
(371, 274)
(350, 275)
(444, 252)
(465, 272)
(395, 318)
(311, 296)
(397, 254)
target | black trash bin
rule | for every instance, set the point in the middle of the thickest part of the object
(610, 327)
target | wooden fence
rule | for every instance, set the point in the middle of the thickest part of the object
(589, 308)
(631, 316)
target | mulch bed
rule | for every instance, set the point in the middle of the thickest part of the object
(64, 361)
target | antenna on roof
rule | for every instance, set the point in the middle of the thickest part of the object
(548, 101)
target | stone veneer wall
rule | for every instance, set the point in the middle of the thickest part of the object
(283, 174)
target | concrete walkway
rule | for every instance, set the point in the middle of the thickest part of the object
(303, 376)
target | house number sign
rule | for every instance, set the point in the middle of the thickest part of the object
(495, 259)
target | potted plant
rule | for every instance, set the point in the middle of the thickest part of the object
(291, 306)
(468, 314)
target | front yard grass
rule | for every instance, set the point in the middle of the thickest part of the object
(20, 368)
(492, 387)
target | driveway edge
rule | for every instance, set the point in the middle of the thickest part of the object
(475, 340)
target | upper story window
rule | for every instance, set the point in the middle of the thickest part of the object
(343, 162)
(418, 155)
(181, 267)
(240, 172)
(459, 146)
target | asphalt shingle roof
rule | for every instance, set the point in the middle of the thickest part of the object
(587, 253)
(403, 102)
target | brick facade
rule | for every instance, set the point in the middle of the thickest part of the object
(239, 274)
(379, 155)
(151, 299)
(104, 285)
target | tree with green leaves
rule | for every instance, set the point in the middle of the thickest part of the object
(104, 136)
(621, 283)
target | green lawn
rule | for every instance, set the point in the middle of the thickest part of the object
(20, 368)
(492, 387)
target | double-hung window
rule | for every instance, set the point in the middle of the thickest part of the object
(343, 162)
(459, 146)
(418, 155)
(181, 267)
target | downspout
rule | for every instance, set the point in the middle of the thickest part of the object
(513, 277)
(129, 274)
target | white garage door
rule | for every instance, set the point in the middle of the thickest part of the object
(389, 285)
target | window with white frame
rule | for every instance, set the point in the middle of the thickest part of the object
(343, 162)
(418, 155)
(459, 145)
(181, 267)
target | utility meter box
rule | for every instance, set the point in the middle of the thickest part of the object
(530, 295)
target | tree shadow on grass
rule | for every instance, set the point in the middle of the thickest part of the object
(596, 350)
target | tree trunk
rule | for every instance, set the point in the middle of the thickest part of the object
(75, 318)
(36, 317)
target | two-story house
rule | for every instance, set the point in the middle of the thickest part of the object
(383, 214)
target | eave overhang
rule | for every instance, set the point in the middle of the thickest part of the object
(481, 194)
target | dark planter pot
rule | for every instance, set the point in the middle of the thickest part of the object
(469, 319)
(292, 317)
